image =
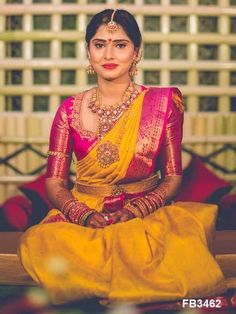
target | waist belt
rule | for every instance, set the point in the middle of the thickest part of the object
(117, 189)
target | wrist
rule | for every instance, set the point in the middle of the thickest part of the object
(127, 212)
(76, 212)
(86, 216)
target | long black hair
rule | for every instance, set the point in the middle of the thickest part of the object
(121, 17)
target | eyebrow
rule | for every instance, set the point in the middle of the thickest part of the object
(104, 40)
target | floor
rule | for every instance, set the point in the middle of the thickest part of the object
(33, 300)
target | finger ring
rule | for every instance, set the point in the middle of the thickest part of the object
(106, 217)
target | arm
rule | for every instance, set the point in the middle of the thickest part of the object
(59, 159)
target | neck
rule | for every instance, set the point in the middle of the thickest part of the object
(112, 89)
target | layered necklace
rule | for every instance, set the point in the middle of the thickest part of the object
(108, 115)
(108, 152)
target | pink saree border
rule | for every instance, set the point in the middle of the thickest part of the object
(155, 111)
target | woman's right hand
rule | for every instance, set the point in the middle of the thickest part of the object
(96, 220)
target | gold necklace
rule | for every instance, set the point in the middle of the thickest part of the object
(108, 116)
(108, 152)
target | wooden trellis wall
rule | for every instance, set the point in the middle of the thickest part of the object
(191, 44)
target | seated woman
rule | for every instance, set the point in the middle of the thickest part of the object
(117, 235)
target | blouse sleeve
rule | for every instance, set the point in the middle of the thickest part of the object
(170, 154)
(60, 146)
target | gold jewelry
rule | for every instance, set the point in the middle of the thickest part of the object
(83, 218)
(90, 70)
(112, 25)
(108, 153)
(76, 212)
(139, 56)
(139, 186)
(133, 69)
(108, 116)
(133, 210)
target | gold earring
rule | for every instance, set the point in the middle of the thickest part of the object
(139, 56)
(133, 69)
(90, 70)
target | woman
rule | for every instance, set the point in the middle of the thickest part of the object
(112, 236)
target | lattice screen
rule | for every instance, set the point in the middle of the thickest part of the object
(191, 44)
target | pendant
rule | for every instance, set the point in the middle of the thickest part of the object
(107, 154)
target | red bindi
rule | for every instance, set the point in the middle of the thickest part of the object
(109, 40)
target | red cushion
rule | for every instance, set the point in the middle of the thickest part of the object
(36, 193)
(199, 183)
(36, 186)
(15, 214)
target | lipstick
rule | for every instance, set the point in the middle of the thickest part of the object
(110, 66)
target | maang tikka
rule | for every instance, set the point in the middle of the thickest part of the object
(112, 25)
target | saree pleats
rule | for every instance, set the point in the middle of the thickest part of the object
(154, 259)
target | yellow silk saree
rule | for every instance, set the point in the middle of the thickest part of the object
(163, 257)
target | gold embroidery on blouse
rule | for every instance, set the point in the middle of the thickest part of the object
(57, 154)
(76, 121)
(64, 121)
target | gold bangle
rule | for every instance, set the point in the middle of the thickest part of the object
(148, 204)
(85, 216)
(66, 204)
(134, 210)
(152, 202)
(158, 198)
(140, 205)
(143, 207)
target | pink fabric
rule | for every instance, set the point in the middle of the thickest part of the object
(160, 134)
(65, 138)
(169, 159)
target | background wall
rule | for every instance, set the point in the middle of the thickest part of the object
(191, 44)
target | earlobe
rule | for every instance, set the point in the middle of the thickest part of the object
(139, 55)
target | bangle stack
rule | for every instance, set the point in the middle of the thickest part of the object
(133, 210)
(143, 206)
(76, 212)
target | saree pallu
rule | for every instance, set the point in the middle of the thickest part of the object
(162, 257)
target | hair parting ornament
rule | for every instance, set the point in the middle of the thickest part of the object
(112, 25)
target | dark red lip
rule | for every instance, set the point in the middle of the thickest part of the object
(110, 65)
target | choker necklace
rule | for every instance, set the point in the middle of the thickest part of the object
(108, 152)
